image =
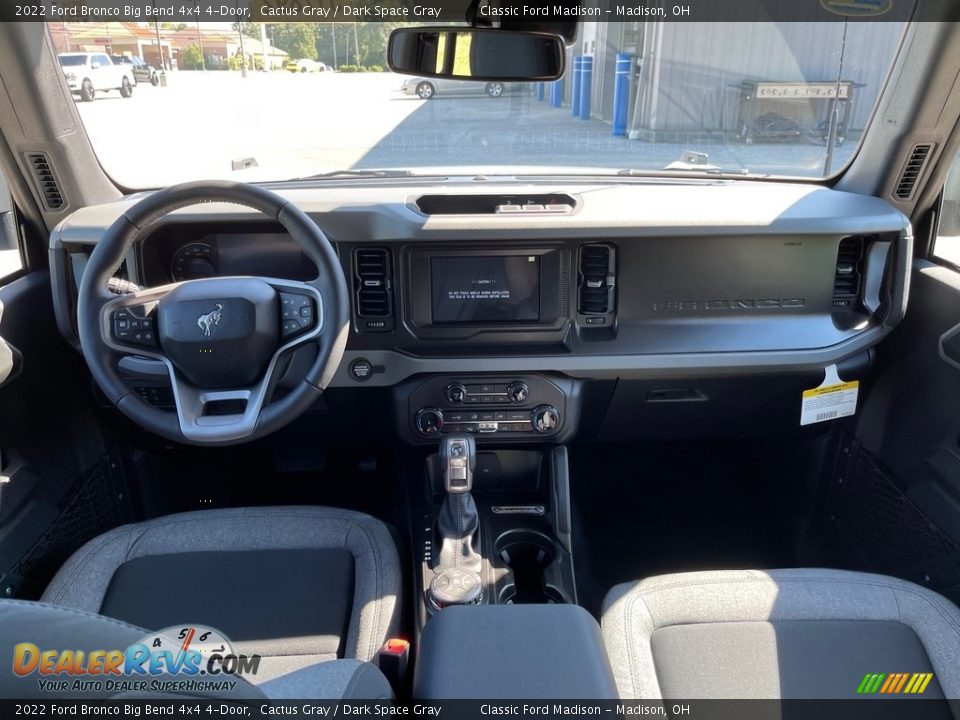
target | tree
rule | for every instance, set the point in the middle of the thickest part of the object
(192, 59)
(297, 39)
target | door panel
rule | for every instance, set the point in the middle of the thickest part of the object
(65, 482)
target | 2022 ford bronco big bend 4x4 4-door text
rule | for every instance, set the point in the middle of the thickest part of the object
(632, 391)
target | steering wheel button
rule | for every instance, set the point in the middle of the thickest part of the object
(306, 312)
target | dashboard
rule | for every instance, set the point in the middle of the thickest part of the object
(660, 297)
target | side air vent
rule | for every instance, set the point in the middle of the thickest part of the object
(596, 283)
(912, 170)
(846, 281)
(374, 289)
(46, 180)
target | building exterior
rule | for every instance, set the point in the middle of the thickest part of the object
(699, 79)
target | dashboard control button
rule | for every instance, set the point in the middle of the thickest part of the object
(456, 393)
(519, 415)
(452, 427)
(518, 392)
(469, 427)
(361, 369)
(545, 418)
(486, 417)
(429, 421)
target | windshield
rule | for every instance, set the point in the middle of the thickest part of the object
(277, 101)
(72, 60)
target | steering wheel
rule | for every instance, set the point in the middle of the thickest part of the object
(222, 339)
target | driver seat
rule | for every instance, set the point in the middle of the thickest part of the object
(296, 585)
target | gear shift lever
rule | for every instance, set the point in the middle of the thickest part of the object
(456, 579)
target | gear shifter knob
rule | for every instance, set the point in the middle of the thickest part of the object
(458, 453)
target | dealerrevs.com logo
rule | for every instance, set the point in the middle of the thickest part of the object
(177, 659)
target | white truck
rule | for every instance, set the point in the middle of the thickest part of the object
(88, 73)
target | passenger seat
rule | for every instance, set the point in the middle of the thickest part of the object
(804, 633)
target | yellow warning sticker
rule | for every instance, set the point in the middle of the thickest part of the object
(834, 399)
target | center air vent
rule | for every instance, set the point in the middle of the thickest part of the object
(846, 281)
(374, 289)
(912, 170)
(46, 180)
(596, 283)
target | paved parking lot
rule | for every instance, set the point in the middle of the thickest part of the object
(295, 125)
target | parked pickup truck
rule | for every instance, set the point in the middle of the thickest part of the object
(89, 73)
(142, 72)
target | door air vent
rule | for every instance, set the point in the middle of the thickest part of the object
(596, 278)
(374, 289)
(912, 170)
(46, 181)
(846, 281)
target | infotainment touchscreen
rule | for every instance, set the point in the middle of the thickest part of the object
(485, 289)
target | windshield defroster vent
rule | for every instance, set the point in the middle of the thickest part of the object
(912, 170)
(374, 289)
(46, 181)
(596, 278)
(480, 204)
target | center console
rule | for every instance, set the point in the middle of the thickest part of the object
(496, 527)
(513, 653)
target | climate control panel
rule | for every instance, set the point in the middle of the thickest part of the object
(506, 408)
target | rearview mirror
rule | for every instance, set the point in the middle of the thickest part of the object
(476, 54)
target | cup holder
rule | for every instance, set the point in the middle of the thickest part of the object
(528, 554)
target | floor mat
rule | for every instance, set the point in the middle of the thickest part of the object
(649, 509)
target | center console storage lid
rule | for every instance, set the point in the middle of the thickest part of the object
(507, 652)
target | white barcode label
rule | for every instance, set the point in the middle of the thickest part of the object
(833, 399)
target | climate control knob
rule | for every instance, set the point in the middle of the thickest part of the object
(518, 392)
(456, 393)
(429, 421)
(545, 419)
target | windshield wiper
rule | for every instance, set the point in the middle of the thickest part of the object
(359, 174)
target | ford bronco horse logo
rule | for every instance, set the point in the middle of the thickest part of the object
(208, 321)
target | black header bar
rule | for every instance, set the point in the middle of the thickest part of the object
(486, 11)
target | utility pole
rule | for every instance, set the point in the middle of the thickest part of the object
(243, 55)
(333, 31)
(263, 46)
(356, 45)
(156, 27)
(203, 58)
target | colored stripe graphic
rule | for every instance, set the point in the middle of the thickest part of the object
(894, 683)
